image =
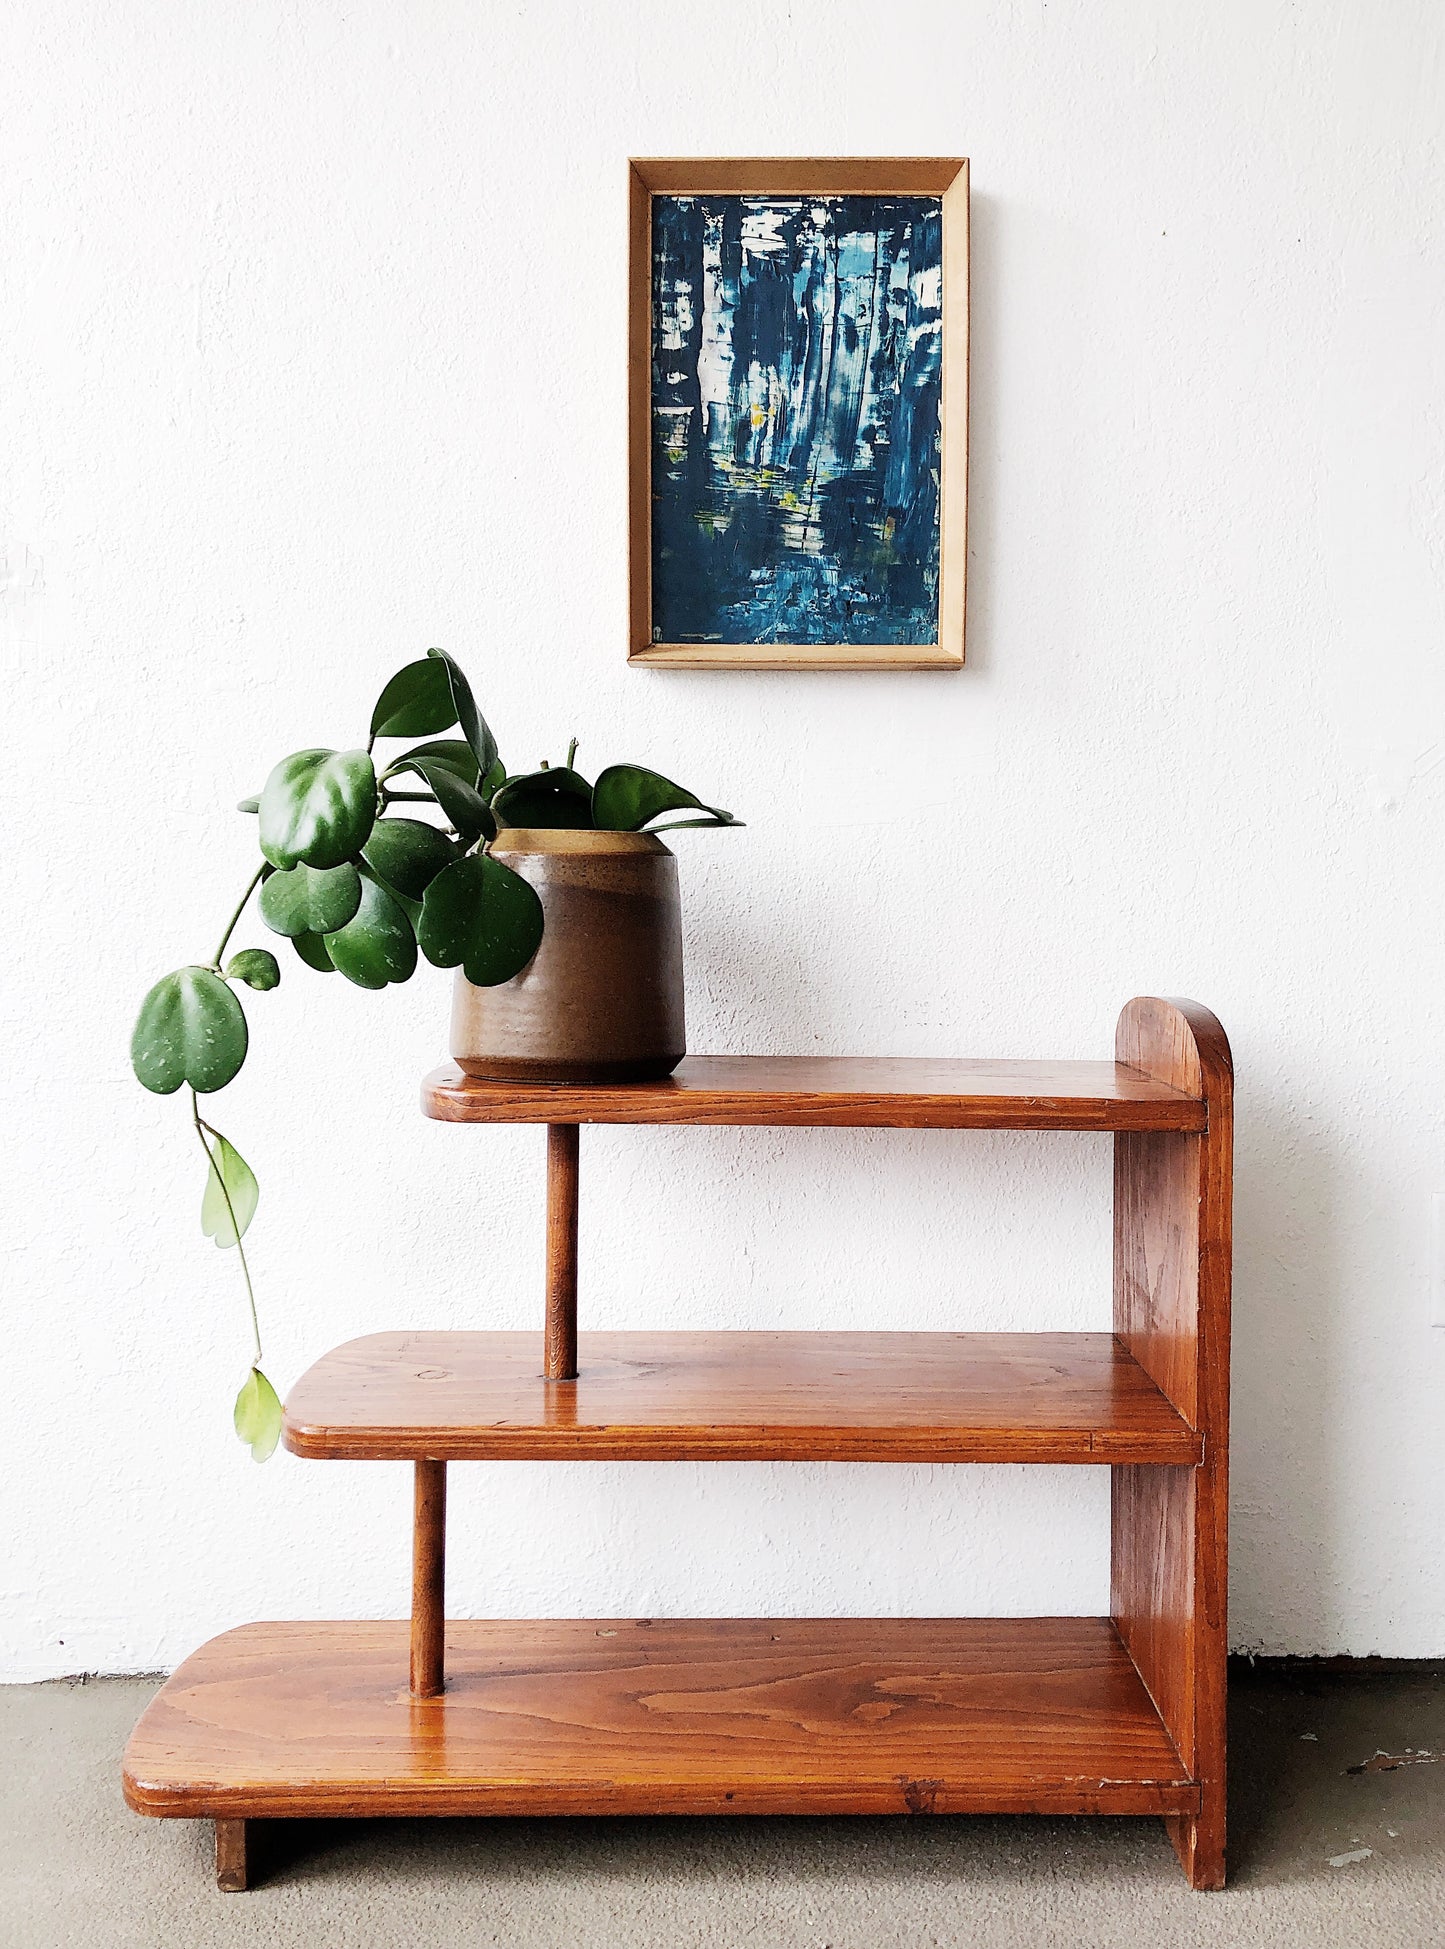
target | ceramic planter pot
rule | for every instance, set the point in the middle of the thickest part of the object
(601, 1000)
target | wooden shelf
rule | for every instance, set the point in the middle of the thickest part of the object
(838, 1091)
(879, 1397)
(999, 1715)
(1124, 1714)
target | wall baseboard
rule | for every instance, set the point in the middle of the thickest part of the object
(1244, 1666)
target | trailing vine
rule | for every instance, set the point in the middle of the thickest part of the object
(360, 889)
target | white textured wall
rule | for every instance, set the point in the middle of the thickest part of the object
(313, 320)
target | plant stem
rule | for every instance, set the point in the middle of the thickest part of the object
(409, 798)
(201, 1128)
(571, 753)
(240, 909)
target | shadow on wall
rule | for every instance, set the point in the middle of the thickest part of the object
(984, 335)
(1286, 1553)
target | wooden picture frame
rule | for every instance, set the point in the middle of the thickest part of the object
(931, 177)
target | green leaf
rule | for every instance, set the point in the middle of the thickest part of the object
(452, 753)
(625, 797)
(229, 1176)
(406, 855)
(256, 966)
(190, 1029)
(417, 703)
(685, 825)
(312, 949)
(482, 915)
(495, 779)
(258, 1416)
(248, 805)
(450, 771)
(558, 797)
(310, 900)
(378, 946)
(318, 807)
(474, 726)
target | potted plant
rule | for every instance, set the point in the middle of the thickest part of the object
(553, 898)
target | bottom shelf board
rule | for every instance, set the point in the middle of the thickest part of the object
(730, 1716)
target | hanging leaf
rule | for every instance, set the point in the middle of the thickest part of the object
(310, 900)
(229, 1176)
(450, 771)
(248, 805)
(417, 703)
(258, 1416)
(312, 949)
(406, 855)
(482, 915)
(378, 946)
(555, 798)
(495, 779)
(191, 1029)
(256, 966)
(318, 807)
(474, 726)
(625, 797)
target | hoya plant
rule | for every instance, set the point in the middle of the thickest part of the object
(358, 887)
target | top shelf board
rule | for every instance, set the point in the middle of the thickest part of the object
(849, 1092)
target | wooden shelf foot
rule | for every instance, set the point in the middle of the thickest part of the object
(563, 1153)
(232, 1875)
(1198, 1840)
(428, 1580)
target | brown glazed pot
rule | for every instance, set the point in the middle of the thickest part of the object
(601, 999)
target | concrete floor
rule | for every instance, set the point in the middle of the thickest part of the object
(1322, 1853)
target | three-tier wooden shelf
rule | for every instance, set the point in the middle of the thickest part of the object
(1114, 1715)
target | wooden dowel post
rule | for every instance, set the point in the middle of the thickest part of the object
(562, 1177)
(232, 1867)
(428, 1580)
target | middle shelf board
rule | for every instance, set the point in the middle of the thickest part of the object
(735, 1396)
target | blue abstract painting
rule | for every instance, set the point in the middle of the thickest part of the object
(797, 354)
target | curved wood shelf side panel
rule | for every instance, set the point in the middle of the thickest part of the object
(1172, 1256)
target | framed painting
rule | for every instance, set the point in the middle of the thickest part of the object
(798, 413)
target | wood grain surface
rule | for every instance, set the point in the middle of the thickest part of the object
(883, 1397)
(1172, 1252)
(680, 1717)
(859, 1092)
